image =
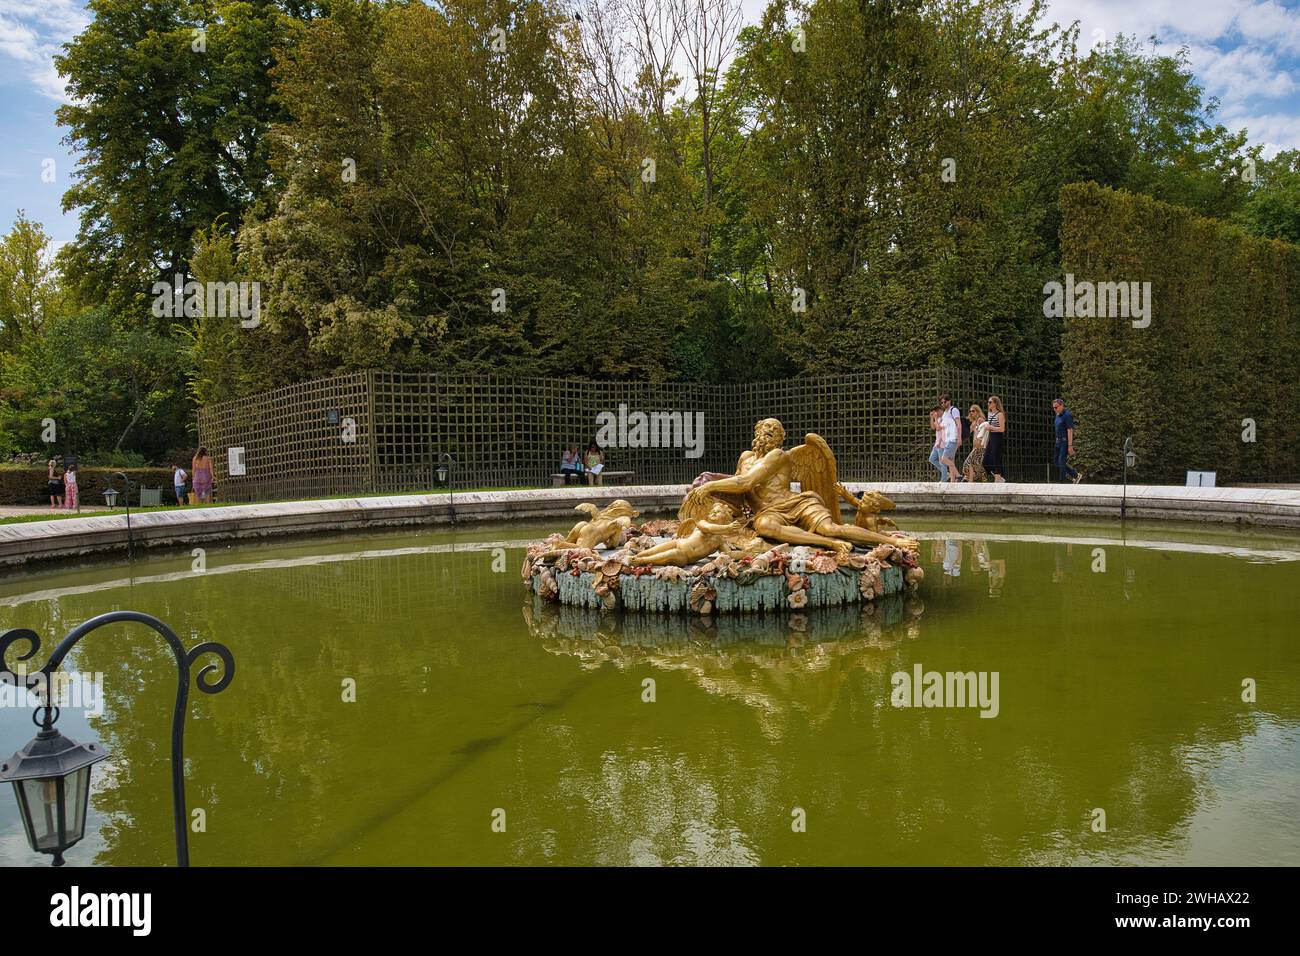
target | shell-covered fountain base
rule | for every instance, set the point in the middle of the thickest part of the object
(782, 578)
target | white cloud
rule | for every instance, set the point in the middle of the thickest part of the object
(1274, 131)
(18, 41)
(32, 34)
(1245, 52)
(1239, 74)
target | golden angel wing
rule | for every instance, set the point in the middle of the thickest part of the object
(697, 504)
(813, 466)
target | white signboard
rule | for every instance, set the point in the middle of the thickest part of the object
(236, 462)
(1201, 479)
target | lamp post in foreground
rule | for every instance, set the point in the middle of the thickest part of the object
(51, 774)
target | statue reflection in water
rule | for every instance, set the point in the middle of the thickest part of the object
(773, 662)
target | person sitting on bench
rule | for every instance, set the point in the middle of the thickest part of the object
(593, 463)
(571, 464)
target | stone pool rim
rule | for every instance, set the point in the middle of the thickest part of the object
(40, 541)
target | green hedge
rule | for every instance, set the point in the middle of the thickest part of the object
(26, 486)
(1223, 344)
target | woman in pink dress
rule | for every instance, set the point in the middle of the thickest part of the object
(201, 472)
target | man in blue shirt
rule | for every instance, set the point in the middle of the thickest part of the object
(1064, 448)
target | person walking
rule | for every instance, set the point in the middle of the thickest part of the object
(950, 419)
(70, 488)
(54, 484)
(997, 432)
(936, 451)
(178, 483)
(201, 470)
(973, 467)
(1063, 451)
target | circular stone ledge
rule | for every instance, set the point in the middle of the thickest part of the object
(36, 541)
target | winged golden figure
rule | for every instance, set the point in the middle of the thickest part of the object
(808, 516)
(604, 527)
(698, 538)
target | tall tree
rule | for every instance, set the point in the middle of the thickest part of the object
(171, 101)
(28, 286)
(1272, 209)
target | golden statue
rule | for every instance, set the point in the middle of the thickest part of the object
(696, 539)
(763, 476)
(868, 508)
(605, 527)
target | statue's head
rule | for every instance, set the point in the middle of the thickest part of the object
(768, 434)
(619, 508)
(722, 513)
(877, 501)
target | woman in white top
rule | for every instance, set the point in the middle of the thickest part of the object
(178, 483)
(973, 467)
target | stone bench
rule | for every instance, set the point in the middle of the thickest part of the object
(607, 477)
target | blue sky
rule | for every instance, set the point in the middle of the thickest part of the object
(1245, 52)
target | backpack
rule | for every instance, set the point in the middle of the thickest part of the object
(965, 430)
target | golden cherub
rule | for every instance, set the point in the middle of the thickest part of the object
(605, 527)
(869, 507)
(697, 539)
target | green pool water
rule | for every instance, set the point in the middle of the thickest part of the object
(1119, 689)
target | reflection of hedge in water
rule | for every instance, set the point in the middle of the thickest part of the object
(370, 590)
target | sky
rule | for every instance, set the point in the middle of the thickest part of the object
(1244, 52)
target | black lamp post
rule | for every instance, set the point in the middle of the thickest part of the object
(1130, 459)
(130, 537)
(51, 774)
(447, 476)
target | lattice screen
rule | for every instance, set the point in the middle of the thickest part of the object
(506, 432)
(309, 439)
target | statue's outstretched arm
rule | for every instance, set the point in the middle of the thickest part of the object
(739, 484)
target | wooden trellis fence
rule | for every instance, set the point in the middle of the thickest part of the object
(381, 432)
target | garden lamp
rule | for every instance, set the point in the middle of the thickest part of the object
(51, 778)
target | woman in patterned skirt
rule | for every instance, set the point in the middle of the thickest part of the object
(973, 467)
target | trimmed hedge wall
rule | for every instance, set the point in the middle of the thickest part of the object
(1223, 344)
(26, 486)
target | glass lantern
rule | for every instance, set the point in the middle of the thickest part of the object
(51, 778)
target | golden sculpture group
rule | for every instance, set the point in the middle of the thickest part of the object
(756, 507)
(749, 511)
